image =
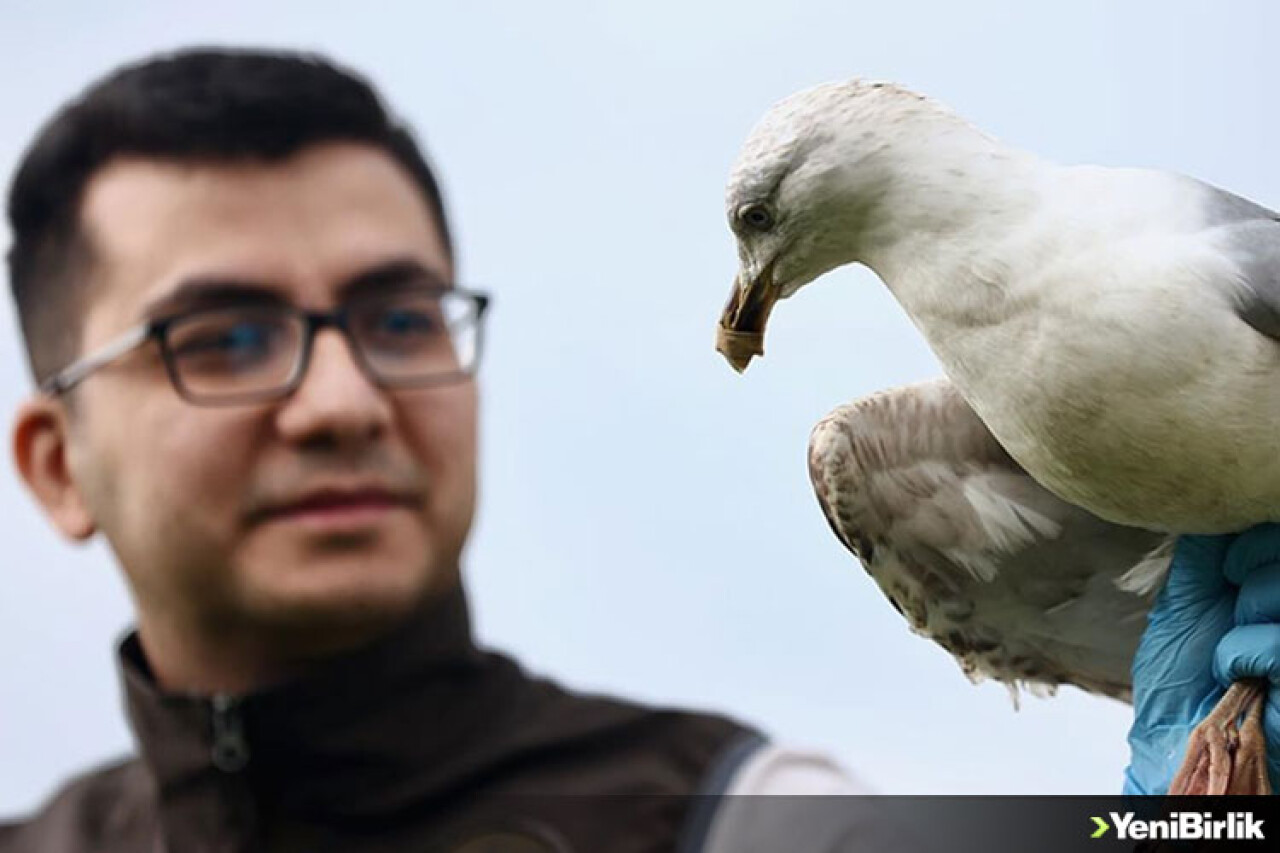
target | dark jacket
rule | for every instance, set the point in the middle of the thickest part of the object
(419, 742)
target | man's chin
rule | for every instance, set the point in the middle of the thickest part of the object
(330, 581)
(336, 594)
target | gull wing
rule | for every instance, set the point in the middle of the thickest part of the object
(1250, 235)
(1014, 582)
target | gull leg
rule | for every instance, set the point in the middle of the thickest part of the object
(1250, 773)
(1224, 756)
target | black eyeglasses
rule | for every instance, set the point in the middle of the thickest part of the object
(404, 338)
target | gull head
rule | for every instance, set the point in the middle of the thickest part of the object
(804, 196)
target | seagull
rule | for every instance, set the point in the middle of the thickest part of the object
(1116, 331)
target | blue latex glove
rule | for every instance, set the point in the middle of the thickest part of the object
(1217, 619)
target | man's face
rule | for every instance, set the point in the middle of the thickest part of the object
(343, 503)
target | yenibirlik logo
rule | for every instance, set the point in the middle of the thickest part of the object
(1182, 826)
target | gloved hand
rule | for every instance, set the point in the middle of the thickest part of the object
(1217, 619)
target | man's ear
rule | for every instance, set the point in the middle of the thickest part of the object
(41, 435)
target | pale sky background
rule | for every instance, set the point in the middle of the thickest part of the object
(646, 524)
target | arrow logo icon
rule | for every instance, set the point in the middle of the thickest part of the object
(1103, 826)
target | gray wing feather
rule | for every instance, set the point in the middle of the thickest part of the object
(1253, 241)
(1017, 584)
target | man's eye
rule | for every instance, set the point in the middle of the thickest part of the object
(227, 345)
(242, 337)
(405, 322)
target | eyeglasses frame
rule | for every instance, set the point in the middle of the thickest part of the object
(157, 329)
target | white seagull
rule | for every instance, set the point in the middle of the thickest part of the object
(1117, 331)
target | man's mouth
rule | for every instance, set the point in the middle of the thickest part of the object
(332, 509)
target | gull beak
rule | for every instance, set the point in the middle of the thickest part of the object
(740, 335)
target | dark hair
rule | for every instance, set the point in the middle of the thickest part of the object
(196, 104)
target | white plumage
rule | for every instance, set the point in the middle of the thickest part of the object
(1113, 336)
(1117, 330)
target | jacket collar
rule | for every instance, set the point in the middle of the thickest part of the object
(368, 731)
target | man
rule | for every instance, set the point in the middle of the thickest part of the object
(235, 281)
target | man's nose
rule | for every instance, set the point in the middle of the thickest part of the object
(336, 401)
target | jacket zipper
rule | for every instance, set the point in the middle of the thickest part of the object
(230, 747)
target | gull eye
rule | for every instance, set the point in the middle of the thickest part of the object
(757, 217)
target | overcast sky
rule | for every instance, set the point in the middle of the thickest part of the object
(646, 525)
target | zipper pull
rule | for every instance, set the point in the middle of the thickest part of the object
(230, 748)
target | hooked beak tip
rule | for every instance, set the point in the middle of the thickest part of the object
(739, 363)
(738, 348)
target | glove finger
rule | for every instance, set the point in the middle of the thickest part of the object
(1249, 651)
(1259, 596)
(1256, 548)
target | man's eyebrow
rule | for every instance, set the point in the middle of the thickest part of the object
(213, 292)
(219, 291)
(401, 272)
